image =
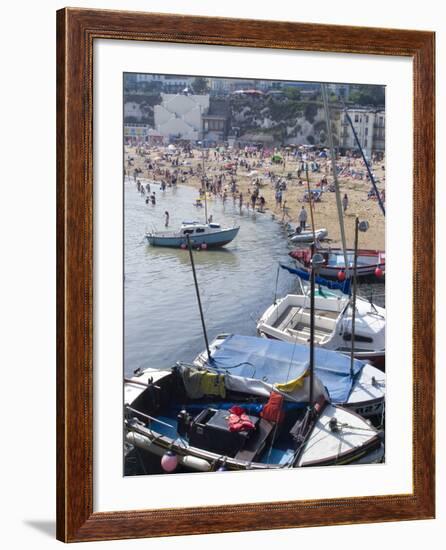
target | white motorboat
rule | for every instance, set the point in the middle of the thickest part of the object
(288, 319)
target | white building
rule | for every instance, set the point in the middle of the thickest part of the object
(369, 125)
(169, 83)
(132, 109)
(180, 116)
(221, 85)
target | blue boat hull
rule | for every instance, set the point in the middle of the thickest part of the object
(211, 240)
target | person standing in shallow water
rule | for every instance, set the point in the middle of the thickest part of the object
(166, 218)
(303, 218)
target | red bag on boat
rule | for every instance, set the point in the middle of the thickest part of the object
(238, 420)
(272, 411)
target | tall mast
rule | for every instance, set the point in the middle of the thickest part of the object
(198, 298)
(312, 291)
(335, 175)
(204, 182)
(353, 305)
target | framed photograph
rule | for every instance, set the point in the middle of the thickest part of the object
(245, 275)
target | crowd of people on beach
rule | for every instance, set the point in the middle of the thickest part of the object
(220, 172)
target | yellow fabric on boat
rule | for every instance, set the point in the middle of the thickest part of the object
(213, 384)
(293, 385)
(199, 383)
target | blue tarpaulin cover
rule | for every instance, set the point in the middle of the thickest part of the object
(278, 362)
(343, 286)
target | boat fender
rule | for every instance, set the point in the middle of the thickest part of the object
(379, 272)
(144, 443)
(169, 462)
(195, 463)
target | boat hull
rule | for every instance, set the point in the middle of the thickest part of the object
(211, 240)
(307, 236)
(368, 262)
(362, 443)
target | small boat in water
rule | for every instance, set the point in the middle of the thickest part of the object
(204, 419)
(288, 319)
(307, 236)
(361, 391)
(370, 262)
(204, 235)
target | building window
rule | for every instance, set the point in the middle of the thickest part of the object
(366, 131)
(365, 142)
(356, 118)
(367, 118)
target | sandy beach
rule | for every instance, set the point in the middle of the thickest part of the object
(325, 211)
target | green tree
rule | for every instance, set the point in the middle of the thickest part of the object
(292, 93)
(368, 95)
(200, 85)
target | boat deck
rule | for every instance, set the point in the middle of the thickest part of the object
(293, 320)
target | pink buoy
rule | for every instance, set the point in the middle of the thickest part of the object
(169, 462)
(341, 276)
(204, 246)
(183, 246)
(379, 272)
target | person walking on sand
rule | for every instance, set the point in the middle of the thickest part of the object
(303, 215)
(166, 218)
(345, 203)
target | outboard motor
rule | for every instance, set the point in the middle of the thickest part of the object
(184, 421)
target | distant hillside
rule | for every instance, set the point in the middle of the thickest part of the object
(142, 104)
(286, 120)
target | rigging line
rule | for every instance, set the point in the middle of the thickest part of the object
(292, 358)
(277, 282)
(372, 179)
(310, 200)
(335, 175)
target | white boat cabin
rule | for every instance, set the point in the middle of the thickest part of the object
(196, 228)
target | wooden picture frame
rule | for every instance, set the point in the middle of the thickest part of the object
(77, 29)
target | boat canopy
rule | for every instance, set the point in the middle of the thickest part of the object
(280, 364)
(343, 286)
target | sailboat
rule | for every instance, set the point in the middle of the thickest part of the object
(202, 235)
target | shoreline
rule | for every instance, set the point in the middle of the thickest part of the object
(325, 212)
